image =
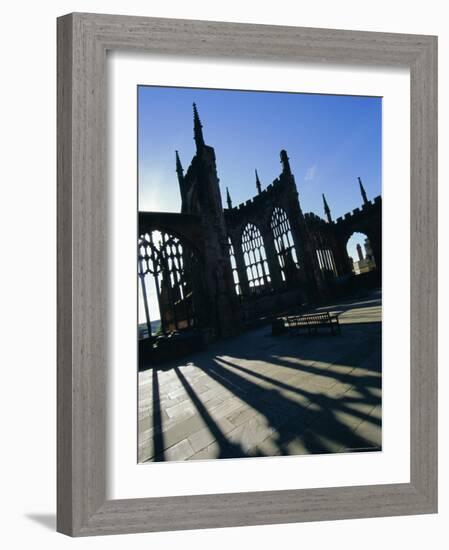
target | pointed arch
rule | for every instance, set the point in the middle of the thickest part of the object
(235, 273)
(284, 244)
(168, 269)
(255, 258)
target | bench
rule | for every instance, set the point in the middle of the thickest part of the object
(312, 321)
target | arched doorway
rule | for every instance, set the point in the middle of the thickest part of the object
(360, 253)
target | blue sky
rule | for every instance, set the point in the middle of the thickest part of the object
(330, 140)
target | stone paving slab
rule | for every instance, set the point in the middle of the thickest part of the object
(258, 395)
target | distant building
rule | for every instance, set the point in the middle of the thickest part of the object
(367, 263)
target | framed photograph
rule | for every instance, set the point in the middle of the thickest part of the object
(247, 274)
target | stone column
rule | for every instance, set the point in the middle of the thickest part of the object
(376, 246)
(241, 268)
(272, 259)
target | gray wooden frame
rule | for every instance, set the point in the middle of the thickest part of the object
(83, 40)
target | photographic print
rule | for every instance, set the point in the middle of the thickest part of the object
(259, 265)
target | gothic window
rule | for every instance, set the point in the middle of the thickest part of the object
(165, 273)
(283, 242)
(235, 273)
(326, 260)
(255, 259)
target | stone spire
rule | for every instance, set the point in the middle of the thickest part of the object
(228, 199)
(182, 185)
(285, 163)
(197, 129)
(327, 210)
(363, 192)
(179, 168)
(259, 187)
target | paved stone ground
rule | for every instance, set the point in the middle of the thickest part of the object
(258, 395)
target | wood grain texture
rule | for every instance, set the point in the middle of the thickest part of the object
(64, 276)
(83, 40)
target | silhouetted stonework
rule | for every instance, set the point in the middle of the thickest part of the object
(263, 256)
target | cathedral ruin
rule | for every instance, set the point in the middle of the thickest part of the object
(219, 269)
